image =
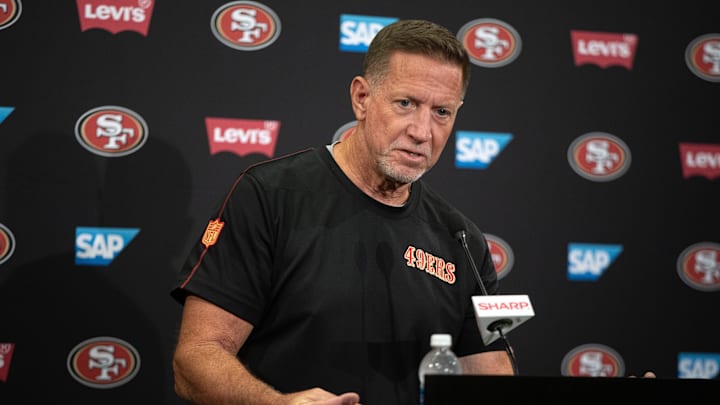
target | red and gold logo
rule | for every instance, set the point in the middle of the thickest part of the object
(212, 232)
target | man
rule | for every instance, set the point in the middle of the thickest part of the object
(323, 273)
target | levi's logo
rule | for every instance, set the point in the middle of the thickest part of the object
(116, 15)
(242, 137)
(6, 352)
(700, 160)
(604, 49)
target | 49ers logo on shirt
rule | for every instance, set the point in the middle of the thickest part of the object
(103, 362)
(702, 56)
(489, 42)
(242, 137)
(116, 15)
(245, 25)
(599, 156)
(9, 12)
(431, 264)
(593, 360)
(111, 131)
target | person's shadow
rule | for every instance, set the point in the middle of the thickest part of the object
(49, 305)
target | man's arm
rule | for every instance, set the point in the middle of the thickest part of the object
(487, 363)
(207, 370)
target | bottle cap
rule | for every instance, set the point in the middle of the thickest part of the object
(440, 340)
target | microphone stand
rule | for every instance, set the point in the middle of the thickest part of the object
(498, 325)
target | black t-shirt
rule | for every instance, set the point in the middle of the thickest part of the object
(343, 291)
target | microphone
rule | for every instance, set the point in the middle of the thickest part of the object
(496, 315)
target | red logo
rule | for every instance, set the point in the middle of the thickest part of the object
(502, 255)
(116, 15)
(245, 25)
(212, 232)
(490, 43)
(6, 352)
(10, 11)
(604, 49)
(593, 360)
(699, 266)
(702, 56)
(111, 131)
(7, 243)
(242, 137)
(599, 156)
(700, 160)
(103, 362)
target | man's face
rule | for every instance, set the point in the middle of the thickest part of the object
(410, 114)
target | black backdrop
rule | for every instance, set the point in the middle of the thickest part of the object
(178, 74)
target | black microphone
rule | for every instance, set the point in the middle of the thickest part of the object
(496, 314)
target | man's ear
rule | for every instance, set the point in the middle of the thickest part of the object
(359, 92)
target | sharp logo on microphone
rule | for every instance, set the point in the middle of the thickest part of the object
(702, 57)
(10, 11)
(587, 262)
(4, 112)
(357, 31)
(507, 306)
(100, 246)
(698, 365)
(593, 360)
(242, 137)
(700, 159)
(490, 43)
(476, 150)
(604, 49)
(116, 15)
(245, 25)
(699, 266)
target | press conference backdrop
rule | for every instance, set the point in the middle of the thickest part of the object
(587, 149)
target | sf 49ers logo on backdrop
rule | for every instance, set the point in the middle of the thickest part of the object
(699, 266)
(593, 360)
(599, 156)
(7, 243)
(245, 25)
(9, 12)
(490, 43)
(103, 362)
(111, 131)
(116, 15)
(502, 255)
(702, 56)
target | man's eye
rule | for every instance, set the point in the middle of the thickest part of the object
(443, 111)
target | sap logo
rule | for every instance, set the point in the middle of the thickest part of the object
(476, 150)
(99, 246)
(698, 365)
(588, 261)
(357, 31)
(4, 112)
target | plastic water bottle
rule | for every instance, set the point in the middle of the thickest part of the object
(439, 360)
